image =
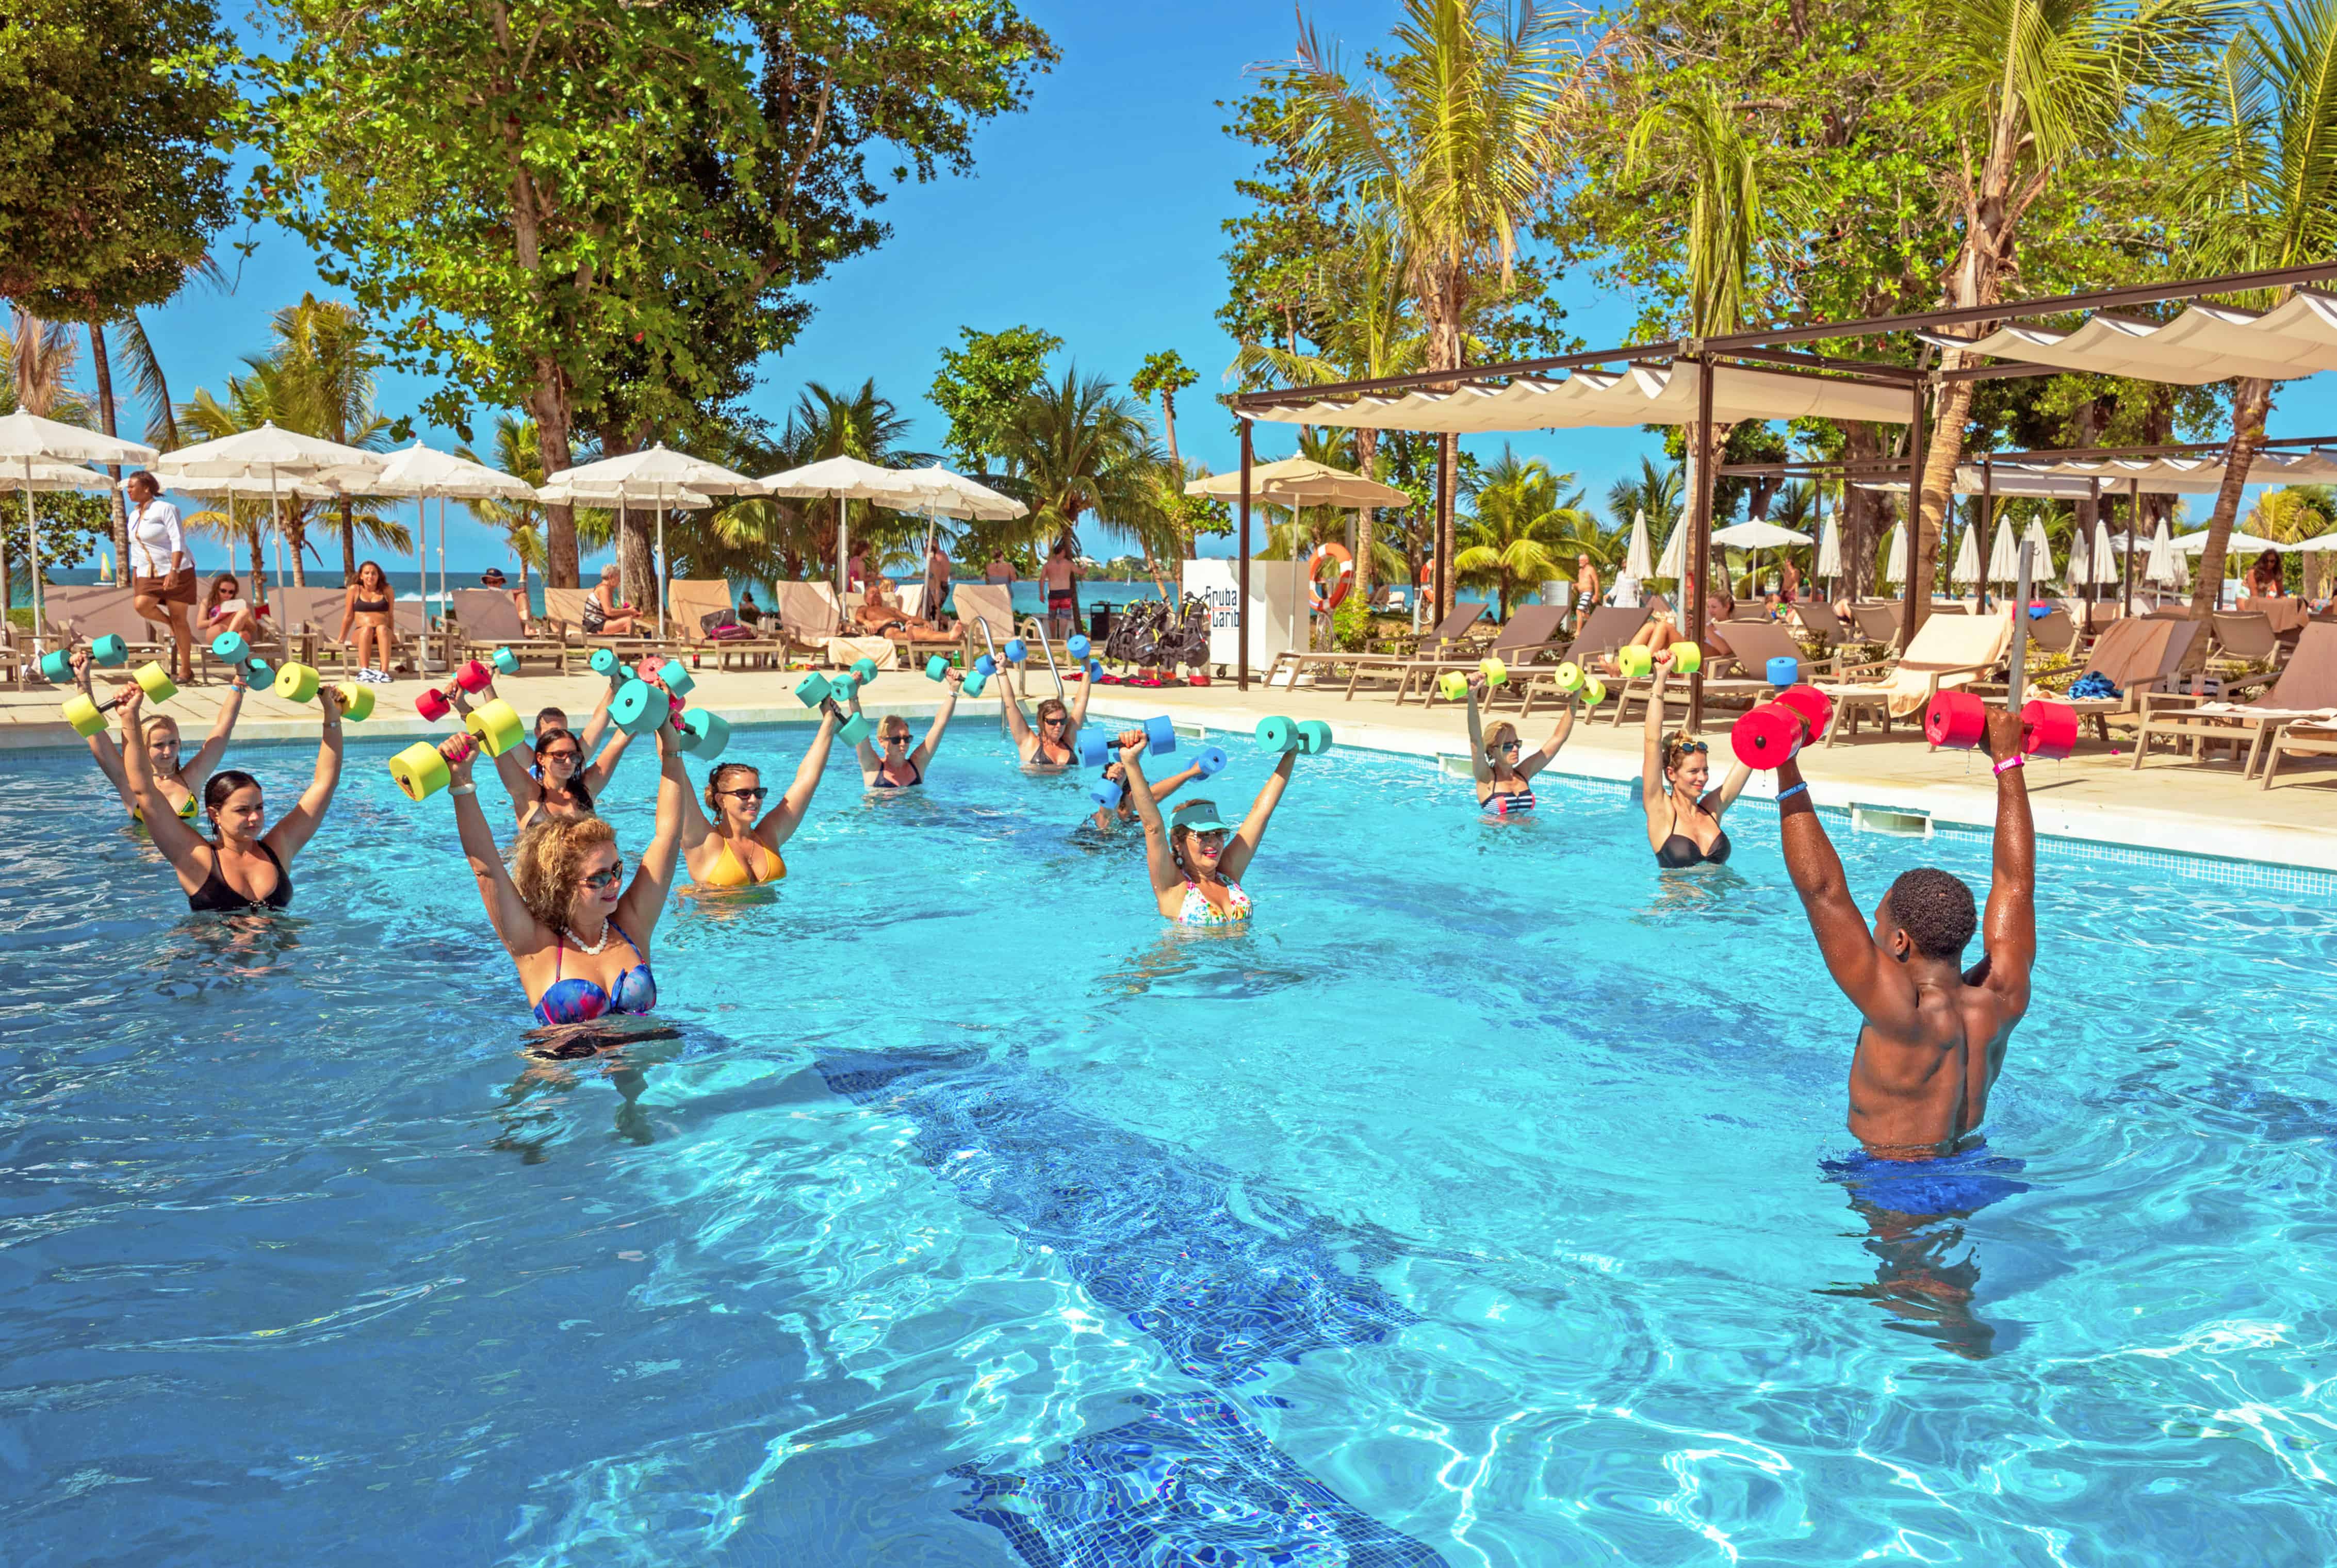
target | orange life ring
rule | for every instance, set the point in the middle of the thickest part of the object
(1341, 585)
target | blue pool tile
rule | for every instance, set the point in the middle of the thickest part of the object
(1187, 1484)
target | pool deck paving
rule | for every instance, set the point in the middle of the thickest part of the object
(2172, 804)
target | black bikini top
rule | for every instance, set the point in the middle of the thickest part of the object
(1680, 850)
(216, 898)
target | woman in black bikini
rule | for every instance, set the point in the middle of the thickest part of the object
(368, 605)
(1048, 744)
(242, 871)
(1503, 770)
(1683, 824)
(892, 763)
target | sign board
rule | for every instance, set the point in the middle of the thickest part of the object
(1273, 625)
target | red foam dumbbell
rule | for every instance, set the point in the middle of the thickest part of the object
(1770, 735)
(1959, 720)
(470, 677)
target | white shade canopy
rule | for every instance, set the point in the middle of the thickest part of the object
(420, 470)
(1675, 560)
(1640, 395)
(946, 494)
(2205, 343)
(1967, 566)
(847, 479)
(270, 450)
(1830, 548)
(1299, 482)
(250, 488)
(1638, 557)
(27, 436)
(1758, 534)
(653, 471)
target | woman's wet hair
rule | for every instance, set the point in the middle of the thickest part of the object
(222, 785)
(1500, 730)
(1050, 708)
(548, 864)
(720, 779)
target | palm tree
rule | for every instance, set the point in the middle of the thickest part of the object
(1166, 373)
(1458, 142)
(1376, 334)
(2029, 84)
(1523, 522)
(1074, 447)
(325, 355)
(2264, 195)
(519, 453)
(40, 356)
(1655, 493)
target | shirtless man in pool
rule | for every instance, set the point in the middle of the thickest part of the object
(1935, 1034)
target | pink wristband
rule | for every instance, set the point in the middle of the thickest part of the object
(2014, 761)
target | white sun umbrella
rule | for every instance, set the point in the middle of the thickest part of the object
(2162, 568)
(27, 441)
(1757, 533)
(609, 497)
(1893, 554)
(423, 471)
(1829, 562)
(2003, 554)
(1636, 555)
(2102, 559)
(847, 479)
(2040, 552)
(1967, 566)
(952, 495)
(649, 477)
(268, 456)
(47, 478)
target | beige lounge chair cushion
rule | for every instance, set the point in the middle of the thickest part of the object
(1949, 643)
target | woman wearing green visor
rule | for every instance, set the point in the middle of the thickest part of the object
(1197, 861)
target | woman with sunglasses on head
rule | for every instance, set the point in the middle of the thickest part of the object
(242, 870)
(1682, 816)
(1047, 743)
(1196, 860)
(736, 848)
(892, 763)
(180, 784)
(1503, 770)
(576, 931)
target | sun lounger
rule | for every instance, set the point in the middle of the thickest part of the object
(486, 619)
(806, 614)
(2309, 738)
(692, 602)
(564, 607)
(1610, 626)
(2243, 640)
(2138, 655)
(1530, 634)
(1740, 675)
(2305, 689)
(2287, 614)
(1878, 619)
(1448, 640)
(982, 605)
(100, 610)
(1947, 651)
(1818, 618)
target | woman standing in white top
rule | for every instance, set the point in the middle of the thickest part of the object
(162, 569)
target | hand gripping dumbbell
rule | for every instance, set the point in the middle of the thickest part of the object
(297, 682)
(1098, 745)
(1281, 735)
(1636, 663)
(1454, 684)
(87, 716)
(1575, 681)
(470, 676)
(1958, 719)
(109, 650)
(1773, 734)
(640, 707)
(1079, 648)
(814, 690)
(421, 769)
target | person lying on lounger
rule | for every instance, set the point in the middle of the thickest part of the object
(1934, 1033)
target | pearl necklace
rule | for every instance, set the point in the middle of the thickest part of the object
(592, 950)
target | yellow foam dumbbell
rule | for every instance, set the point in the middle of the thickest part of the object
(88, 717)
(1686, 658)
(297, 682)
(495, 727)
(357, 701)
(1495, 672)
(1635, 662)
(1594, 691)
(1568, 677)
(420, 771)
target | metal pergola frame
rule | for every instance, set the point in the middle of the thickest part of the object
(1770, 348)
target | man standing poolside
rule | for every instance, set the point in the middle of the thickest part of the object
(1934, 1035)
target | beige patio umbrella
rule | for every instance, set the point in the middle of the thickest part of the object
(847, 479)
(1295, 483)
(651, 476)
(28, 441)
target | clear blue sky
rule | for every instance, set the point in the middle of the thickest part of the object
(1095, 216)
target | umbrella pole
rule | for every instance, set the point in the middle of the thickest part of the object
(1241, 612)
(33, 526)
(276, 520)
(843, 574)
(1988, 522)
(2132, 522)
(421, 580)
(661, 564)
(446, 635)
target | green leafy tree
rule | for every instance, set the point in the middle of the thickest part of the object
(979, 386)
(599, 212)
(1075, 446)
(1166, 373)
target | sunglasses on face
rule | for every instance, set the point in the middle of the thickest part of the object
(599, 879)
(895, 739)
(1215, 838)
(1512, 746)
(755, 794)
(561, 756)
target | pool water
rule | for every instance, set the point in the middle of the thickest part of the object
(1470, 1209)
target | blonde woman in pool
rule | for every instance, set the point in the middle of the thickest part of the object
(1502, 768)
(738, 845)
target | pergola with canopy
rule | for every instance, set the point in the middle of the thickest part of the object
(1763, 375)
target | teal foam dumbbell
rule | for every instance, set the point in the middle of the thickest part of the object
(505, 661)
(704, 735)
(975, 681)
(677, 679)
(1077, 647)
(605, 662)
(638, 707)
(1313, 737)
(842, 688)
(855, 730)
(1210, 760)
(1277, 735)
(937, 668)
(864, 670)
(812, 690)
(1016, 651)
(109, 650)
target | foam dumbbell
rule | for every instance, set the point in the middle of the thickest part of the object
(675, 677)
(974, 681)
(855, 730)
(87, 716)
(842, 688)
(1094, 745)
(985, 666)
(1106, 792)
(1773, 732)
(1785, 671)
(230, 648)
(1078, 646)
(435, 704)
(638, 707)
(1594, 691)
(2048, 729)
(1095, 669)
(1452, 686)
(812, 690)
(109, 650)
(937, 668)
(704, 735)
(1634, 662)
(297, 682)
(1016, 651)
(1277, 735)
(1570, 678)
(864, 670)
(1160, 735)
(605, 662)
(421, 770)
(1495, 672)
(1210, 760)
(357, 701)
(1313, 737)
(1686, 658)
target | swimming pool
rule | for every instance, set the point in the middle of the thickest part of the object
(1468, 1209)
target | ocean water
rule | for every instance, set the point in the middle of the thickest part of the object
(1472, 1208)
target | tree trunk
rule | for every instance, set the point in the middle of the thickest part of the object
(1185, 540)
(104, 364)
(549, 405)
(295, 544)
(1448, 456)
(2251, 402)
(1944, 452)
(348, 541)
(1367, 447)
(259, 570)
(1862, 512)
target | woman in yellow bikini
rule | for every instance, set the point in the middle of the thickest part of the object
(180, 782)
(734, 849)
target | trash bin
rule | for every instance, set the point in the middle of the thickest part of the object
(1100, 622)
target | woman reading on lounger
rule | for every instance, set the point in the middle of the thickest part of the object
(1682, 816)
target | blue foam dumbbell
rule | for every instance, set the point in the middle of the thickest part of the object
(1016, 651)
(1210, 760)
(505, 661)
(937, 668)
(1077, 647)
(605, 662)
(985, 666)
(677, 677)
(1095, 669)
(1106, 792)
(1094, 744)
(1160, 735)
(705, 735)
(1785, 670)
(812, 690)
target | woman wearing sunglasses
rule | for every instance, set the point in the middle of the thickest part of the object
(1196, 860)
(738, 846)
(577, 932)
(1504, 770)
(1048, 743)
(892, 764)
(1683, 816)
